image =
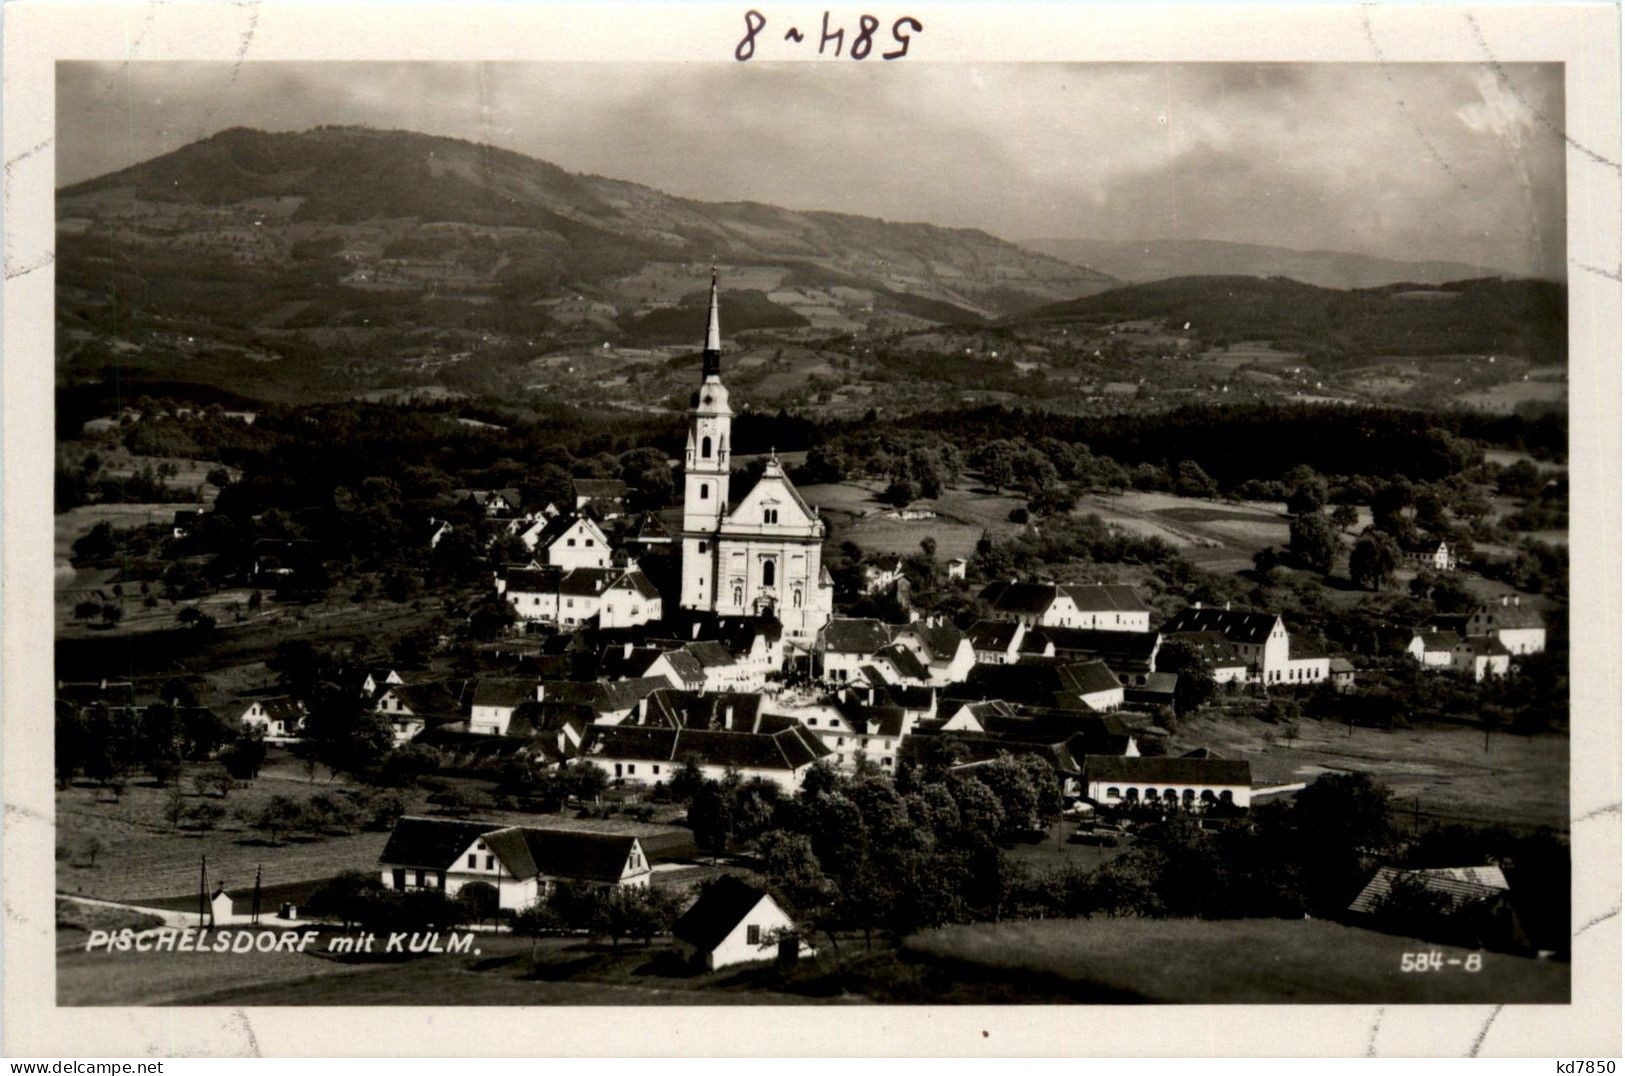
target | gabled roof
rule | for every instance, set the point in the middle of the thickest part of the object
(941, 641)
(424, 699)
(1234, 625)
(1119, 647)
(1435, 641)
(534, 580)
(503, 691)
(568, 853)
(993, 634)
(431, 842)
(849, 635)
(586, 582)
(599, 488)
(556, 528)
(279, 708)
(710, 655)
(1141, 770)
(718, 912)
(1504, 617)
(1461, 886)
(649, 528)
(789, 748)
(904, 661)
(1104, 598)
(635, 580)
(1028, 599)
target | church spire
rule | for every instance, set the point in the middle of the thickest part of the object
(712, 357)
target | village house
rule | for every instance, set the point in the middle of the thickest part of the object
(1479, 656)
(495, 503)
(1130, 654)
(735, 923)
(568, 541)
(721, 733)
(522, 863)
(436, 531)
(1067, 605)
(1005, 642)
(844, 646)
(882, 574)
(945, 650)
(956, 567)
(578, 597)
(1517, 627)
(1429, 554)
(374, 681)
(411, 708)
(1192, 783)
(496, 699)
(1245, 647)
(276, 718)
(648, 531)
(605, 498)
(1475, 902)
(1086, 685)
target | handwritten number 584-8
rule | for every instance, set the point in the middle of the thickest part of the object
(902, 32)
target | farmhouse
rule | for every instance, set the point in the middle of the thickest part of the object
(1087, 685)
(1111, 780)
(522, 863)
(568, 541)
(603, 497)
(946, 651)
(1479, 656)
(495, 700)
(411, 708)
(1259, 650)
(1520, 629)
(1067, 605)
(735, 923)
(844, 646)
(882, 574)
(572, 598)
(721, 733)
(275, 718)
(1126, 653)
(1435, 555)
(1005, 642)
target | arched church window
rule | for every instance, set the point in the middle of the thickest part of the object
(770, 515)
(768, 572)
(705, 447)
(795, 599)
(705, 492)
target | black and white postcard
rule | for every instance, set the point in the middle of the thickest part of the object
(1062, 511)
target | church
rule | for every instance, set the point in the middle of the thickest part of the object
(765, 554)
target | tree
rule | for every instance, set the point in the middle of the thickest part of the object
(1344, 516)
(535, 922)
(481, 901)
(928, 546)
(1308, 490)
(1313, 544)
(112, 614)
(278, 817)
(710, 817)
(1191, 481)
(1373, 560)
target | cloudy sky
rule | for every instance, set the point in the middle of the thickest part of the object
(1414, 161)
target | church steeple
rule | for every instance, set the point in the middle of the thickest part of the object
(712, 356)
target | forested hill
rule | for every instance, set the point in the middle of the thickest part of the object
(1524, 318)
(530, 227)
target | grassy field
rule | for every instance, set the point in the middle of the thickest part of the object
(1250, 961)
(962, 515)
(1443, 771)
(1222, 536)
(567, 971)
(143, 858)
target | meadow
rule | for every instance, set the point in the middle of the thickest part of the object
(1243, 961)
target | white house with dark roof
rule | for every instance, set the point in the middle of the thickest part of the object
(573, 598)
(1186, 783)
(1245, 647)
(945, 650)
(844, 646)
(1100, 607)
(735, 923)
(1005, 642)
(1435, 554)
(568, 541)
(1516, 626)
(496, 699)
(1478, 656)
(276, 718)
(719, 732)
(522, 863)
(411, 708)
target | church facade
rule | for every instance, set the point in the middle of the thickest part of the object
(762, 555)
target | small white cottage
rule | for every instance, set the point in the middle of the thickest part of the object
(736, 923)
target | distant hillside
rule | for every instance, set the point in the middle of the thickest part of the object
(1138, 261)
(1526, 318)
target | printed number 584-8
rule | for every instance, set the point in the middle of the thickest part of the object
(1433, 960)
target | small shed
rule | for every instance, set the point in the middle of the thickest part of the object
(220, 906)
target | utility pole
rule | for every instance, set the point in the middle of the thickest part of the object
(256, 913)
(202, 889)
